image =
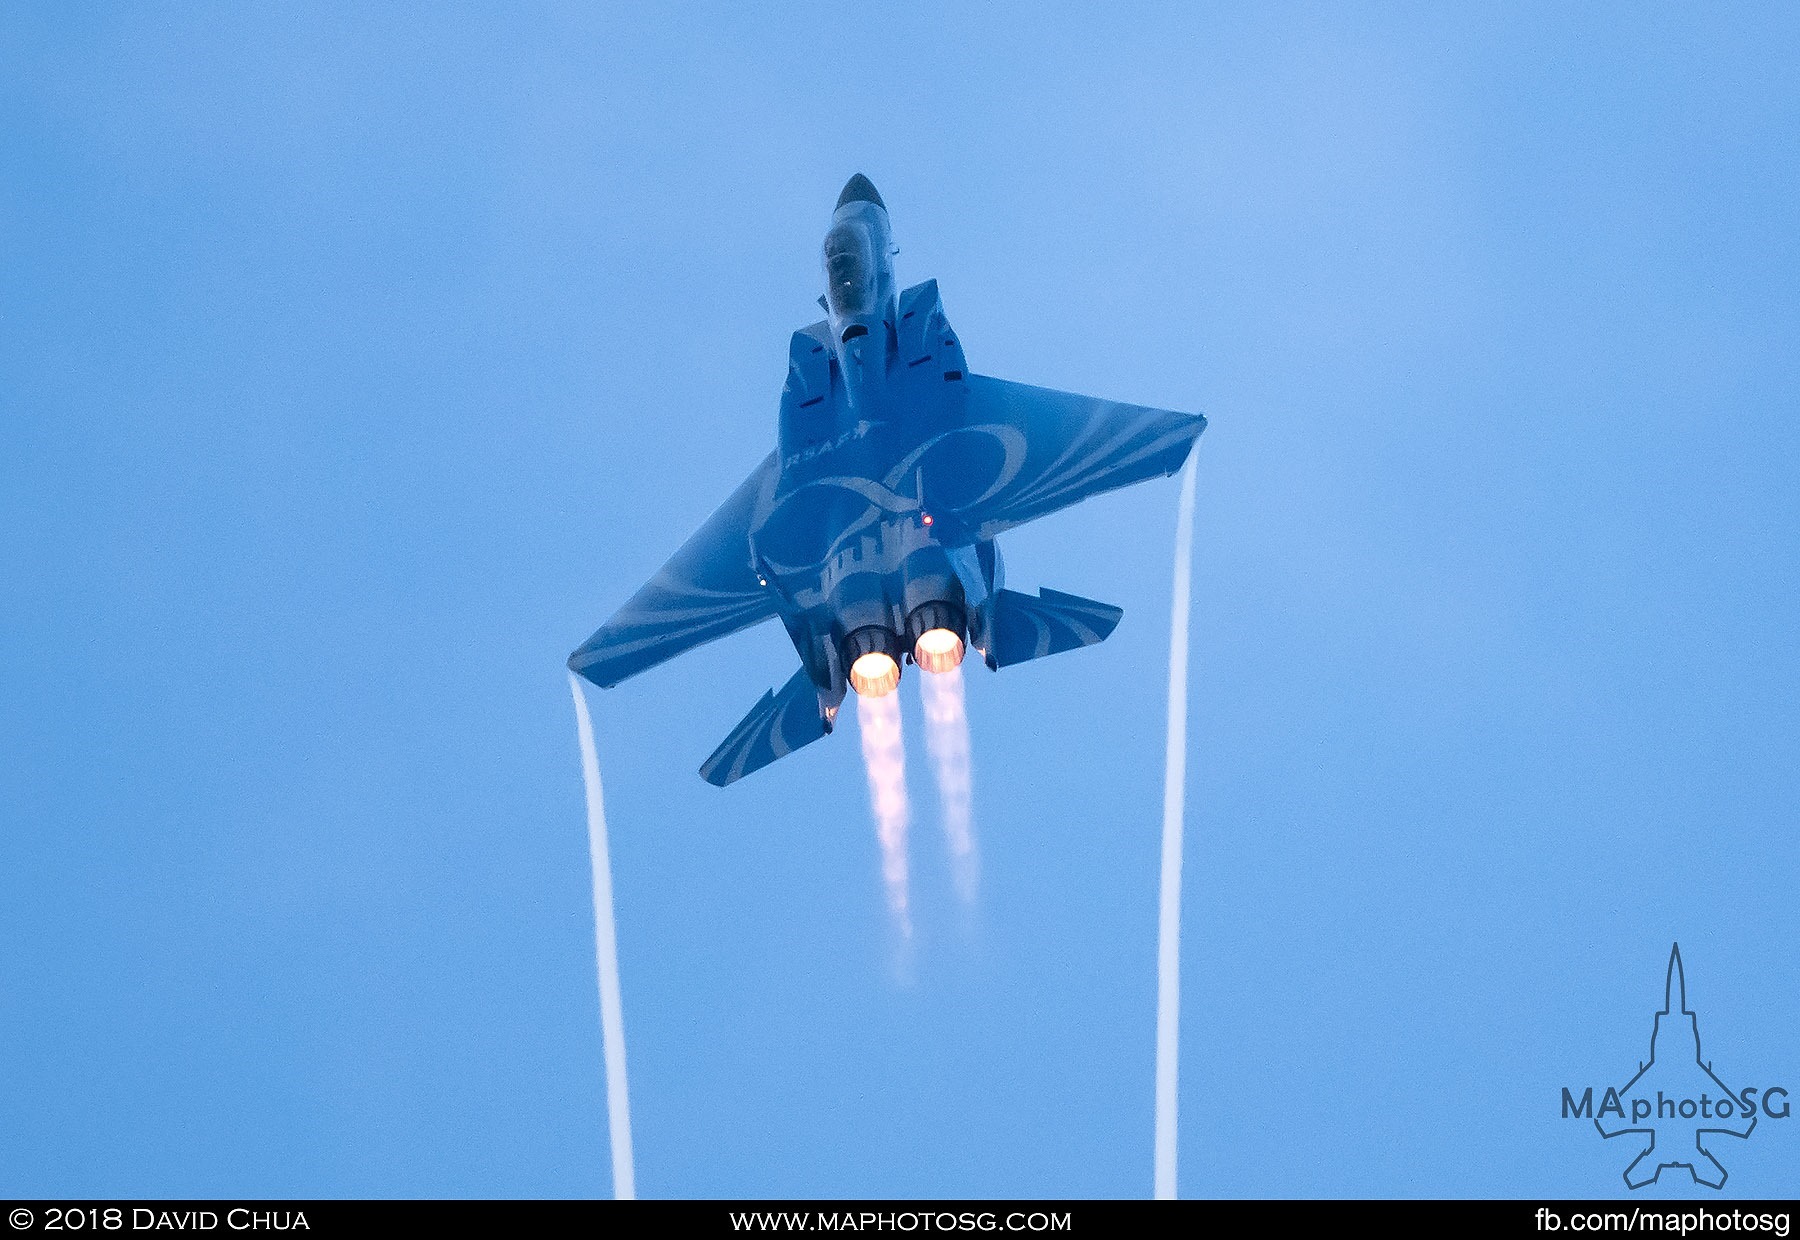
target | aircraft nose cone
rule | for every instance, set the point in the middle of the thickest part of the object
(860, 189)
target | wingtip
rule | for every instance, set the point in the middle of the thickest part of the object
(1197, 422)
(585, 670)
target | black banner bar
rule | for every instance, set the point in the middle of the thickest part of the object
(1026, 1218)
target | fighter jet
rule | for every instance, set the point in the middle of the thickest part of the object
(870, 530)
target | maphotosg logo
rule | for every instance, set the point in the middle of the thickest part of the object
(1676, 1106)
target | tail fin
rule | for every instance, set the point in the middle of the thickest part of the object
(775, 727)
(1029, 628)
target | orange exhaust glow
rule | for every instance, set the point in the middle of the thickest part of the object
(875, 674)
(938, 650)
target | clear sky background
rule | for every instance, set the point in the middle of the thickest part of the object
(356, 362)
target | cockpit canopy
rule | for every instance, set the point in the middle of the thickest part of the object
(850, 272)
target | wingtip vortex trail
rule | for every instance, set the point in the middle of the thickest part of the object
(606, 956)
(1168, 947)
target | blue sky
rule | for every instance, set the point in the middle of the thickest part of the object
(356, 363)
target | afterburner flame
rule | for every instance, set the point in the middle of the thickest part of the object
(938, 650)
(875, 675)
(884, 756)
(947, 744)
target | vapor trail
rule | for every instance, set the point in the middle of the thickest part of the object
(1168, 938)
(606, 954)
(884, 756)
(947, 745)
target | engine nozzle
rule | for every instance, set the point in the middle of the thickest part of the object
(873, 654)
(936, 630)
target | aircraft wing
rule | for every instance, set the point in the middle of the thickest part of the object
(707, 589)
(1064, 448)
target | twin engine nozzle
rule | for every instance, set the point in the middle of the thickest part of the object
(935, 632)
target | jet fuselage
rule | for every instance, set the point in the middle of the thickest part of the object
(863, 568)
(869, 531)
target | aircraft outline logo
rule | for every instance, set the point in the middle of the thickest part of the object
(1677, 1139)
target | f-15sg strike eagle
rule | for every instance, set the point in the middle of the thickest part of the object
(870, 529)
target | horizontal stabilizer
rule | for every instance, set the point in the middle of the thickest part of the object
(1029, 628)
(775, 727)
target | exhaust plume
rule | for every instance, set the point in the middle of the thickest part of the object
(606, 954)
(884, 756)
(947, 745)
(1168, 937)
